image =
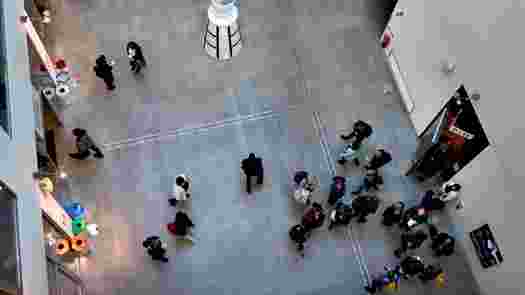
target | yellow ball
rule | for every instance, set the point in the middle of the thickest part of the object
(46, 185)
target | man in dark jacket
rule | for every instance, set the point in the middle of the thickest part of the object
(443, 244)
(183, 224)
(84, 145)
(411, 240)
(104, 71)
(154, 247)
(252, 166)
(364, 206)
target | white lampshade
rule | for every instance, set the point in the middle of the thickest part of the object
(92, 229)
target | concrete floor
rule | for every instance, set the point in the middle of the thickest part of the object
(307, 71)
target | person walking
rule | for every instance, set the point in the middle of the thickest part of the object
(181, 226)
(181, 189)
(252, 166)
(298, 234)
(155, 248)
(104, 70)
(85, 145)
(136, 58)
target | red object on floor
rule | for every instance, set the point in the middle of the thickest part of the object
(171, 228)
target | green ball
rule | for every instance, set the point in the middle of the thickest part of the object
(79, 225)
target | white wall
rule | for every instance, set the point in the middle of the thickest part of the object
(483, 39)
(18, 155)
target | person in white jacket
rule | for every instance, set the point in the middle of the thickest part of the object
(181, 189)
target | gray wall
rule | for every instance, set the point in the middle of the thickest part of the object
(18, 155)
(481, 37)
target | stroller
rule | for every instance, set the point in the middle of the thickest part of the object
(304, 186)
(393, 214)
(337, 189)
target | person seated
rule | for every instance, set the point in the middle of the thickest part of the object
(314, 217)
(379, 159)
(365, 205)
(360, 131)
(430, 273)
(252, 166)
(372, 180)
(393, 214)
(180, 189)
(356, 151)
(411, 266)
(337, 189)
(443, 244)
(182, 226)
(299, 235)
(341, 215)
(410, 240)
(413, 217)
(305, 185)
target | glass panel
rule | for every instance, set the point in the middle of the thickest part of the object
(67, 285)
(9, 276)
(4, 105)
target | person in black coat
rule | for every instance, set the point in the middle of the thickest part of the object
(411, 240)
(252, 166)
(154, 247)
(299, 234)
(443, 244)
(183, 225)
(364, 206)
(393, 214)
(104, 71)
(136, 58)
(412, 266)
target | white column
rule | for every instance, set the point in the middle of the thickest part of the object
(222, 37)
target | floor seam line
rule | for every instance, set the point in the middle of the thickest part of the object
(111, 146)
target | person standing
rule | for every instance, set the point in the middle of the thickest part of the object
(181, 189)
(136, 58)
(360, 131)
(155, 249)
(85, 145)
(252, 166)
(104, 71)
(182, 225)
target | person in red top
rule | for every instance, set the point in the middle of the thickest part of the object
(314, 217)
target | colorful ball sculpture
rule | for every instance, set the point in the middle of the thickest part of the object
(62, 247)
(79, 225)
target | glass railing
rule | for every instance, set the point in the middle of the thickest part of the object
(4, 100)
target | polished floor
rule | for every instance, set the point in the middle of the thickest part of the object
(308, 69)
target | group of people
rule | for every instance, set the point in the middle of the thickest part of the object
(414, 223)
(104, 68)
(182, 224)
